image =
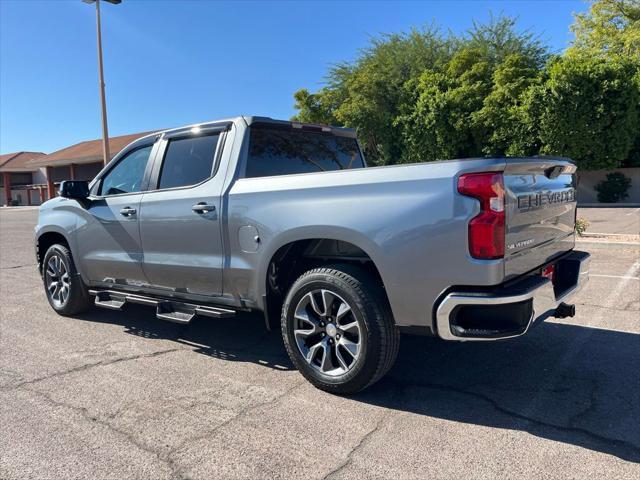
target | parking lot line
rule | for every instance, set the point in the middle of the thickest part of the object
(619, 288)
(614, 276)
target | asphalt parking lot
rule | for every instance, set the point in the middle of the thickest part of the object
(617, 221)
(123, 395)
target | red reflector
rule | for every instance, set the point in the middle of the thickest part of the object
(549, 272)
(487, 229)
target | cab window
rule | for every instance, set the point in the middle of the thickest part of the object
(278, 151)
(127, 175)
(188, 161)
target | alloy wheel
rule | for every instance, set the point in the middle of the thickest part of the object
(58, 280)
(327, 332)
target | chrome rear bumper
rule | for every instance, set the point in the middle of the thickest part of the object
(476, 315)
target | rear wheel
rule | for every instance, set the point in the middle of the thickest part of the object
(66, 292)
(338, 329)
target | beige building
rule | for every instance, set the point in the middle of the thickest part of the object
(21, 183)
(33, 177)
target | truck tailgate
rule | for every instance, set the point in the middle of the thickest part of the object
(540, 212)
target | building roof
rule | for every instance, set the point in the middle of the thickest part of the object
(18, 161)
(85, 152)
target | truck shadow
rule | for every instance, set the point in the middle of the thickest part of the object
(566, 383)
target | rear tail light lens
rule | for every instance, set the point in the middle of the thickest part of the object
(487, 229)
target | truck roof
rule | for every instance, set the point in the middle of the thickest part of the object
(256, 120)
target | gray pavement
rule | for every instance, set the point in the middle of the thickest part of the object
(122, 395)
(618, 221)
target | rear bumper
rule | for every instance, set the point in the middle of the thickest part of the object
(509, 310)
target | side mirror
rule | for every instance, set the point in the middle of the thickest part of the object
(76, 189)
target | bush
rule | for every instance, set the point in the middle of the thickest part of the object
(581, 226)
(614, 188)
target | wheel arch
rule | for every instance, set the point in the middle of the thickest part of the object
(309, 248)
(44, 242)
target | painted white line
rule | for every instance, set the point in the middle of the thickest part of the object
(614, 276)
(582, 337)
(595, 327)
(612, 299)
(633, 211)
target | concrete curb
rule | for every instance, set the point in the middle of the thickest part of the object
(613, 237)
(592, 244)
(608, 205)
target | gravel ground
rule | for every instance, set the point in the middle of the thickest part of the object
(123, 395)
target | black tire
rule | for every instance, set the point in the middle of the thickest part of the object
(78, 299)
(379, 337)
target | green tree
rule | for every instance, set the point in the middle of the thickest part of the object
(317, 107)
(503, 121)
(471, 107)
(438, 124)
(424, 96)
(610, 27)
(589, 110)
(377, 93)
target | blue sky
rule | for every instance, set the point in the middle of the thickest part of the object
(170, 63)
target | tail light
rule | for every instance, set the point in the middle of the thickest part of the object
(486, 230)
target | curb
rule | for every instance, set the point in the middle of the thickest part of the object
(620, 237)
(608, 205)
(592, 244)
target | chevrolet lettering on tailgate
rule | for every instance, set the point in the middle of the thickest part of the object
(539, 199)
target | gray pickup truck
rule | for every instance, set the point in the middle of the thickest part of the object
(285, 218)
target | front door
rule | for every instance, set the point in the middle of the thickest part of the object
(180, 225)
(108, 235)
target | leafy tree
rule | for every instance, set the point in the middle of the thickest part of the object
(589, 110)
(610, 31)
(423, 96)
(471, 107)
(438, 124)
(366, 94)
(317, 107)
(503, 121)
(610, 27)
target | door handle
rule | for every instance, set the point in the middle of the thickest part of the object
(127, 211)
(202, 207)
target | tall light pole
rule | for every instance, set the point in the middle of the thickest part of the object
(105, 130)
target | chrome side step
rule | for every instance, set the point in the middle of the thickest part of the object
(169, 310)
(106, 300)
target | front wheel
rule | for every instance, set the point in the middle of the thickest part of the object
(338, 328)
(66, 292)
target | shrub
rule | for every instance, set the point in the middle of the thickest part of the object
(614, 188)
(581, 226)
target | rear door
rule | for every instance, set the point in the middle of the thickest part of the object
(540, 212)
(180, 220)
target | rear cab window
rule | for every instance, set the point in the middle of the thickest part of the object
(285, 151)
(188, 161)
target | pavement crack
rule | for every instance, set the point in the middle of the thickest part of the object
(357, 447)
(87, 416)
(624, 449)
(591, 406)
(18, 266)
(170, 456)
(88, 366)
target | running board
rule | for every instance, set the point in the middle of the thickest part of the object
(170, 310)
(106, 300)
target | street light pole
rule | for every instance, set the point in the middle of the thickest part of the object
(105, 131)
